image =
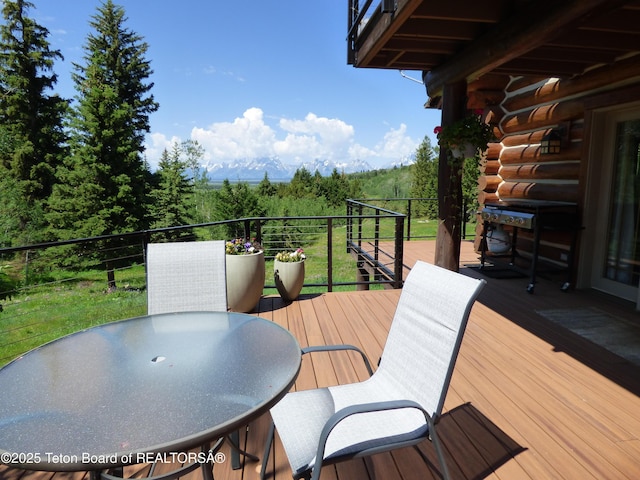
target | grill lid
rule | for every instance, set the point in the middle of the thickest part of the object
(508, 217)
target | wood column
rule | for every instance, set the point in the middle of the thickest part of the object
(454, 104)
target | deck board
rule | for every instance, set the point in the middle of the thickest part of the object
(528, 399)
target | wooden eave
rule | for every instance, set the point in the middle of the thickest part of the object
(466, 39)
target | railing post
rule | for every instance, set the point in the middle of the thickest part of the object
(408, 219)
(352, 15)
(26, 267)
(329, 255)
(360, 226)
(376, 237)
(258, 231)
(146, 237)
(247, 230)
(349, 224)
(463, 219)
(398, 269)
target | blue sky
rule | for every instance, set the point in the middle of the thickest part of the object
(252, 79)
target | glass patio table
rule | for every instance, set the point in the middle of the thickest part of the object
(132, 391)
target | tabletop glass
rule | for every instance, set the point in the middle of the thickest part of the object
(158, 383)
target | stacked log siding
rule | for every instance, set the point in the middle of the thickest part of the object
(524, 172)
(530, 108)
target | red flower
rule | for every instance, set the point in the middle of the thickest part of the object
(478, 111)
(437, 130)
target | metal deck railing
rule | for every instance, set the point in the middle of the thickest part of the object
(51, 289)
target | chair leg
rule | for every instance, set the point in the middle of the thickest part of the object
(440, 452)
(234, 441)
(267, 450)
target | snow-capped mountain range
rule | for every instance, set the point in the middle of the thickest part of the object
(254, 169)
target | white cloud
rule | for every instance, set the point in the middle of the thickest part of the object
(331, 130)
(315, 138)
(357, 151)
(396, 144)
(297, 148)
(292, 140)
(246, 137)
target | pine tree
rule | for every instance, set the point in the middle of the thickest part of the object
(103, 184)
(335, 188)
(266, 188)
(236, 201)
(32, 136)
(470, 176)
(424, 179)
(108, 128)
(172, 199)
(301, 185)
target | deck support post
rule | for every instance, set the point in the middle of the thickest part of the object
(448, 238)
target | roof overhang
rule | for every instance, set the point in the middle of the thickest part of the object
(465, 39)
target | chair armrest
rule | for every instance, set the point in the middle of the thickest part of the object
(334, 348)
(346, 412)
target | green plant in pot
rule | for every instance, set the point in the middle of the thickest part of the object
(463, 142)
(288, 273)
(466, 138)
(245, 274)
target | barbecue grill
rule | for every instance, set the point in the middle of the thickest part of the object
(534, 216)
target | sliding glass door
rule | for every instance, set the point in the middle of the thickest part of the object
(616, 267)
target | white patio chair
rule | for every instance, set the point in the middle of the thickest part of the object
(400, 404)
(186, 276)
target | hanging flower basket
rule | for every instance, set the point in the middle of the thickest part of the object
(468, 137)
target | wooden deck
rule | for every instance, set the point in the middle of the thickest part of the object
(528, 399)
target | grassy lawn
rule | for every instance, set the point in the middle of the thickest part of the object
(66, 305)
(72, 301)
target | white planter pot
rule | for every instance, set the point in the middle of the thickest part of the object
(463, 151)
(498, 241)
(245, 281)
(289, 278)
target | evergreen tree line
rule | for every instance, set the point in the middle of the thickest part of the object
(72, 169)
(75, 168)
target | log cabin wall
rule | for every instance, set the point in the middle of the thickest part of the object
(530, 108)
(524, 172)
